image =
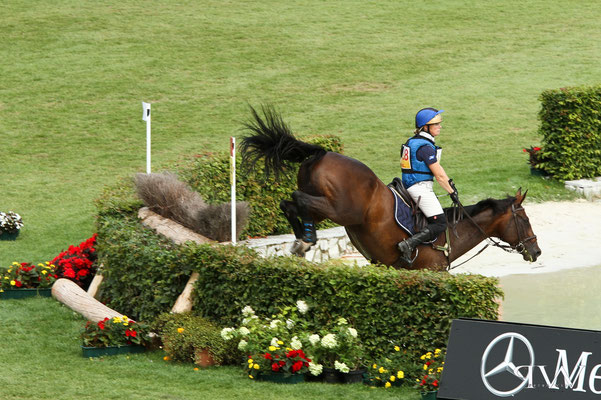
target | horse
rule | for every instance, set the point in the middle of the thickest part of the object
(346, 191)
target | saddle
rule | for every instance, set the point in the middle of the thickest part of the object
(407, 213)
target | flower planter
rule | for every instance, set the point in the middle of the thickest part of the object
(281, 378)
(203, 358)
(9, 294)
(538, 172)
(9, 235)
(330, 375)
(111, 350)
(355, 376)
(429, 395)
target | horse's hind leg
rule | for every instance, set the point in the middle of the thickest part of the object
(291, 213)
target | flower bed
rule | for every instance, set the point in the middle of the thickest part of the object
(21, 276)
(10, 225)
(114, 332)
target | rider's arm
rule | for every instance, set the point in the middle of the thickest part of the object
(441, 176)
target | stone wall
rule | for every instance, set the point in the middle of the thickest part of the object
(331, 243)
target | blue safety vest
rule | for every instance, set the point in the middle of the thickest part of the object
(414, 170)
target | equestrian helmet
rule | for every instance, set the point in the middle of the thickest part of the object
(427, 116)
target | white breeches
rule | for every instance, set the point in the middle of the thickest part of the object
(428, 202)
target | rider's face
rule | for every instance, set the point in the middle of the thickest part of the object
(434, 129)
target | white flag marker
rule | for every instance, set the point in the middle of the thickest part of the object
(233, 184)
(146, 117)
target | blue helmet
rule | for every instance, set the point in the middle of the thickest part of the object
(427, 116)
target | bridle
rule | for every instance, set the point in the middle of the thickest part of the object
(519, 248)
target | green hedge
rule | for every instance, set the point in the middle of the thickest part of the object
(144, 274)
(571, 131)
(209, 174)
(410, 307)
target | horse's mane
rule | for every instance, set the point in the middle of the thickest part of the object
(497, 206)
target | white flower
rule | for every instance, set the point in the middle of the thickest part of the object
(274, 323)
(342, 321)
(244, 331)
(248, 311)
(341, 367)
(227, 333)
(352, 332)
(242, 344)
(302, 306)
(289, 323)
(315, 369)
(329, 341)
(274, 342)
(314, 339)
(296, 344)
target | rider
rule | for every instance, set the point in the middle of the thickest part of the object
(420, 164)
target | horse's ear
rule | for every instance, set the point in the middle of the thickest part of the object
(520, 197)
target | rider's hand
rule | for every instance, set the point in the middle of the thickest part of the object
(454, 197)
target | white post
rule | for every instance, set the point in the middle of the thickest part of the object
(233, 184)
(146, 117)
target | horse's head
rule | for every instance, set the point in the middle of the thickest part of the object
(517, 231)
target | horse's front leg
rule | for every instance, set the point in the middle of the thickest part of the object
(290, 211)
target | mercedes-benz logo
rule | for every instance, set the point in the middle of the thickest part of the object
(506, 365)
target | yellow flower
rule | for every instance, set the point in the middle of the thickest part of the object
(397, 348)
(425, 367)
(196, 369)
(44, 272)
(166, 358)
(439, 370)
(125, 318)
(251, 365)
(381, 370)
(6, 277)
(387, 385)
(272, 348)
(437, 351)
(251, 377)
(423, 357)
(180, 330)
(430, 371)
(256, 366)
(125, 324)
(375, 366)
(392, 378)
(15, 263)
(280, 342)
(400, 374)
(250, 361)
(13, 283)
(117, 320)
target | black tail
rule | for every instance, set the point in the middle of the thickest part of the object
(272, 140)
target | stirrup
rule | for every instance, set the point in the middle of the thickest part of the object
(409, 261)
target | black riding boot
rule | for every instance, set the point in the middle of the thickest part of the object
(309, 233)
(408, 245)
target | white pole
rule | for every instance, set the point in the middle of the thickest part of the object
(146, 117)
(233, 184)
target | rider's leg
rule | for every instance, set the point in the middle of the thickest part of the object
(423, 194)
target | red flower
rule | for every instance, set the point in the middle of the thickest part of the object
(131, 333)
(435, 383)
(101, 325)
(275, 367)
(267, 356)
(69, 273)
(18, 283)
(297, 366)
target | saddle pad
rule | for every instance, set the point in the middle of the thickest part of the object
(403, 214)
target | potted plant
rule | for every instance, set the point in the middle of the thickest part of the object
(433, 364)
(114, 336)
(78, 263)
(186, 337)
(10, 225)
(339, 352)
(391, 370)
(22, 280)
(273, 346)
(535, 158)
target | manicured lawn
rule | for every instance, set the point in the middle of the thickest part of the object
(73, 75)
(41, 359)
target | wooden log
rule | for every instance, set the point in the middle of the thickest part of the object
(184, 301)
(74, 297)
(95, 284)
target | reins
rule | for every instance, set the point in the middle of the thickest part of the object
(518, 248)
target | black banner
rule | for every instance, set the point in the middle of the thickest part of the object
(494, 360)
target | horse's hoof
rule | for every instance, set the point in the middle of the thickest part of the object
(300, 248)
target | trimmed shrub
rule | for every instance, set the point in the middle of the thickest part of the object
(184, 335)
(571, 131)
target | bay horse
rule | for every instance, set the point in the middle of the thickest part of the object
(346, 191)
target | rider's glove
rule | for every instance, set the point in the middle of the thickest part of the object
(455, 194)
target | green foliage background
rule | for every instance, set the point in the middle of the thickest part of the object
(571, 131)
(73, 75)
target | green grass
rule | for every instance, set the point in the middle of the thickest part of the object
(42, 359)
(73, 75)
